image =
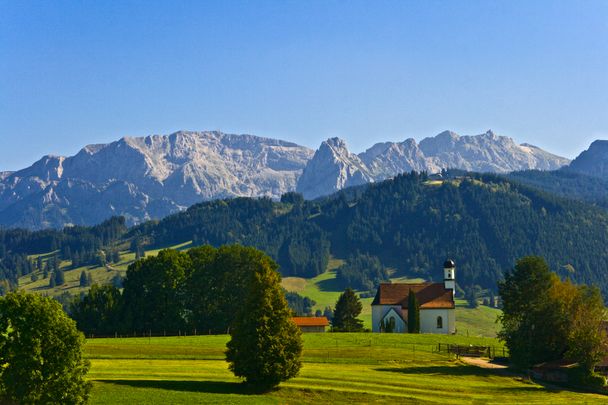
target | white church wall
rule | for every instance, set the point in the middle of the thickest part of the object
(428, 321)
(452, 318)
(378, 312)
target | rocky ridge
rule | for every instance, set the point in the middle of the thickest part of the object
(150, 177)
(333, 167)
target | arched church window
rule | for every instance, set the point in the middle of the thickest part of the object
(439, 322)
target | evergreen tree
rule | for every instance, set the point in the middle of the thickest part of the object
(471, 297)
(328, 313)
(492, 300)
(115, 256)
(52, 282)
(89, 279)
(59, 277)
(83, 279)
(348, 308)
(117, 281)
(45, 273)
(532, 328)
(413, 313)
(67, 253)
(76, 260)
(265, 345)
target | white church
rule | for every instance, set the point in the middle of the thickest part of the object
(436, 301)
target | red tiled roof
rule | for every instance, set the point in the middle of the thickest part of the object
(310, 320)
(429, 295)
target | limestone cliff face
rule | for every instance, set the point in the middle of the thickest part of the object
(148, 177)
(334, 167)
(151, 177)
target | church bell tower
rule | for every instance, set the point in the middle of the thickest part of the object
(449, 275)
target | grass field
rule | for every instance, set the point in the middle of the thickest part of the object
(337, 368)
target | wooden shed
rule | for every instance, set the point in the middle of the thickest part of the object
(311, 323)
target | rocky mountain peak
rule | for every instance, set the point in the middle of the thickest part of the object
(332, 168)
(593, 161)
(153, 176)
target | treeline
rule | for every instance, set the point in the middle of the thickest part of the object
(81, 245)
(201, 289)
(282, 230)
(363, 272)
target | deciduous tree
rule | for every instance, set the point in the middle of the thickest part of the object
(41, 355)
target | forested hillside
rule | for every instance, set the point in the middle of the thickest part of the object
(411, 224)
(566, 183)
(20, 249)
(401, 227)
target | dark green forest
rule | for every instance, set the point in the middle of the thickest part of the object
(408, 224)
(484, 222)
(566, 183)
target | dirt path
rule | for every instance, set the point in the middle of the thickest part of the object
(483, 363)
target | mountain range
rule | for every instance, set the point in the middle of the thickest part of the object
(150, 177)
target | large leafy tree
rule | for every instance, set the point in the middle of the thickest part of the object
(531, 326)
(41, 352)
(154, 292)
(265, 344)
(216, 286)
(413, 313)
(545, 318)
(586, 338)
(98, 312)
(348, 308)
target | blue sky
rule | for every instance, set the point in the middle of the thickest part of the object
(80, 72)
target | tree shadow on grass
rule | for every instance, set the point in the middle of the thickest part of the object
(331, 285)
(445, 370)
(210, 387)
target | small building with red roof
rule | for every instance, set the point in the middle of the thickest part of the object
(311, 323)
(436, 301)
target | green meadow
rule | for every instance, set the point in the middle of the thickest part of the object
(337, 368)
